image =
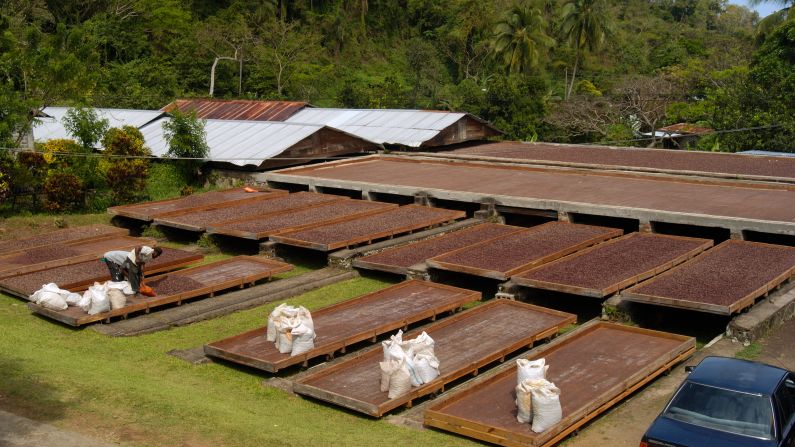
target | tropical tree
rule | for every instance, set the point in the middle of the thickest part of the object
(773, 21)
(519, 38)
(186, 139)
(585, 24)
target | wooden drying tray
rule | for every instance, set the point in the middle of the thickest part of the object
(252, 349)
(233, 276)
(510, 326)
(181, 219)
(155, 266)
(743, 302)
(368, 263)
(290, 238)
(87, 250)
(484, 408)
(143, 211)
(523, 280)
(438, 262)
(224, 229)
(103, 231)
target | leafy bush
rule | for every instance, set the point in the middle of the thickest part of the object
(126, 177)
(186, 139)
(63, 192)
(67, 156)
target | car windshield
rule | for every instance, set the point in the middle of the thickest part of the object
(725, 410)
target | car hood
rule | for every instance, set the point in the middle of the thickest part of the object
(676, 433)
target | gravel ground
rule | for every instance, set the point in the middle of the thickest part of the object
(642, 158)
(722, 275)
(608, 264)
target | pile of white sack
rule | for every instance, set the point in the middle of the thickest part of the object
(407, 363)
(101, 297)
(537, 399)
(291, 329)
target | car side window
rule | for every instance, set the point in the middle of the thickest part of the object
(786, 398)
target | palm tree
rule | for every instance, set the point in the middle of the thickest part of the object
(585, 24)
(519, 38)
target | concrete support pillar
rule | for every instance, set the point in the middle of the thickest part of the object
(313, 188)
(564, 216)
(268, 249)
(645, 227)
(418, 271)
(368, 195)
(508, 290)
(423, 199)
(736, 235)
(488, 211)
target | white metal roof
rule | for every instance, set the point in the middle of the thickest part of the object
(51, 126)
(238, 142)
(404, 127)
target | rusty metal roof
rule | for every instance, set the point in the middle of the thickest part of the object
(238, 109)
(685, 129)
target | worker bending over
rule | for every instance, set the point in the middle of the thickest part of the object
(129, 265)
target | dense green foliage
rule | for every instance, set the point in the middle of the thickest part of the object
(560, 70)
(126, 176)
(186, 139)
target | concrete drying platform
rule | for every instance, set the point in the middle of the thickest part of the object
(261, 227)
(66, 235)
(367, 229)
(47, 257)
(176, 287)
(723, 204)
(463, 344)
(715, 164)
(724, 280)
(503, 257)
(147, 211)
(606, 268)
(199, 220)
(77, 277)
(398, 260)
(595, 367)
(343, 324)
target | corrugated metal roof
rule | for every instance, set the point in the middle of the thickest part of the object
(238, 142)
(51, 126)
(238, 109)
(768, 153)
(405, 127)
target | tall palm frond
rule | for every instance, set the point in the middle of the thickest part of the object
(519, 38)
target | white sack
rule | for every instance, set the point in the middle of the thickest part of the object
(124, 286)
(530, 369)
(272, 331)
(73, 299)
(303, 339)
(427, 367)
(51, 300)
(414, 376)
(387, 369)
(546, 408)
(306, 317)
(284, 342)
(423, 344)
(99, 299)
(399, 382)
(117, 299)
(85, 301)
(524, 402)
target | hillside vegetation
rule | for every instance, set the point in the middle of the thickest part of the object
(554, 70)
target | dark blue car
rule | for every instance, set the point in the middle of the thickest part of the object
(728, 402)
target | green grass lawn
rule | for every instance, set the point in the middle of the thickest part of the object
(128, 390)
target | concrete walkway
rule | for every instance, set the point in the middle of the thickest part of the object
(16, 431)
